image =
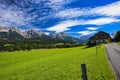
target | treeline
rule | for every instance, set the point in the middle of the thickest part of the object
(117, 37)
(28, 44)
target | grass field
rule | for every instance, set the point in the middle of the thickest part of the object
(55, 64)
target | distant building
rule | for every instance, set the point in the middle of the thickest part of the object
(100, 37)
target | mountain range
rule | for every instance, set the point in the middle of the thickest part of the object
(15, 33)
(84, 39)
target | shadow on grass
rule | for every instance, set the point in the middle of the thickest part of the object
(87, 46)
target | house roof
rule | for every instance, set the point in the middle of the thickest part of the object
(100, 35)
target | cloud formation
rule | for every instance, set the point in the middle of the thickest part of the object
(92, 28)
(27, 13)
(107, 10)
(66, 25)
(102, 21)
(71, 13)
(108, 14)
(63, 26)
(57, 15)
(84, 33)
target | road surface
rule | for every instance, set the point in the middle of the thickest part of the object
(113, 53)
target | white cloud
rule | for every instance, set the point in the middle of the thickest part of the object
(47, 33)
(83, 33)
(111, 10)
(14, 15)
(65, 25)
(92, 28)
(101, 21)
(108, 10)
(37, 1)
(70, 13)
(58, 4)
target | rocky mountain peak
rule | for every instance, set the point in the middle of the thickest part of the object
(32, 33)
(13, 28)
(4, 29)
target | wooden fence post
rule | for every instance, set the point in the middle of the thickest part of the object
(84, 72)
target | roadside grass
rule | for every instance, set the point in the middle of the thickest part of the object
(55, 64)
(119, 43)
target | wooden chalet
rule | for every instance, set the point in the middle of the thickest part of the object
(100, 37)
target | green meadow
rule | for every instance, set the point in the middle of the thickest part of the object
(55, 64)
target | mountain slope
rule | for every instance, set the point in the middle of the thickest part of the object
(84, 39)
(13, 33)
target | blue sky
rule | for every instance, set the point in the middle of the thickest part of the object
(74, 17)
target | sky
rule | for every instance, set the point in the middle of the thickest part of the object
(74, 17)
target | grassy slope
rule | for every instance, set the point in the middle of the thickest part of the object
(54, 64)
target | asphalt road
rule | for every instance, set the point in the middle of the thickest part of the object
(113, 53)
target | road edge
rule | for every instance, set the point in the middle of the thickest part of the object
(111, 64)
